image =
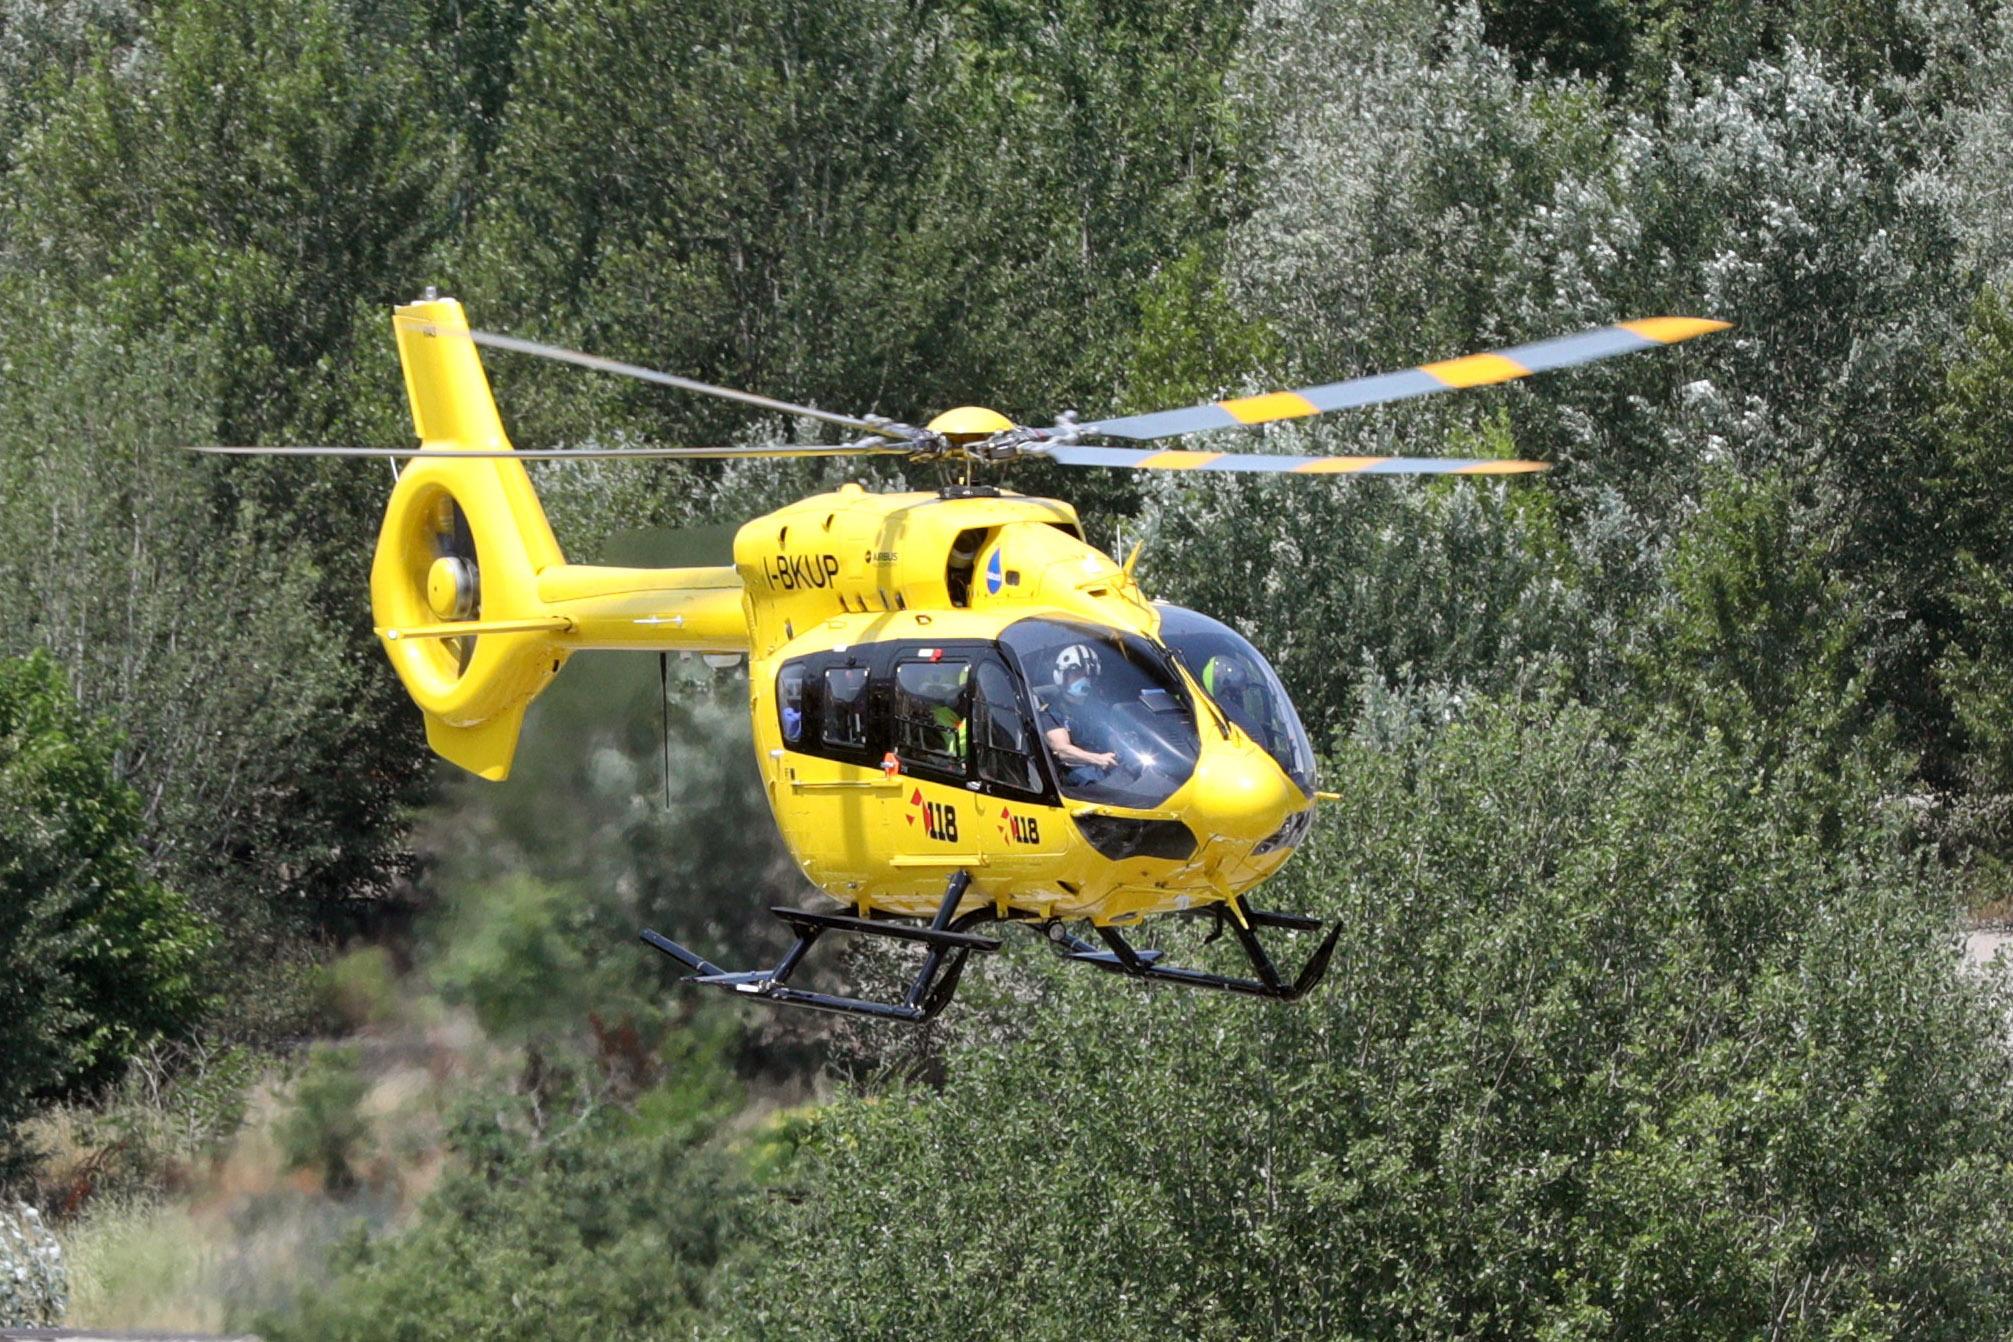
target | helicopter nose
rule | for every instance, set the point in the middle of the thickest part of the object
(1240, 793)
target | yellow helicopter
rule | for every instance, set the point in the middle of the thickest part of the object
(963, 712)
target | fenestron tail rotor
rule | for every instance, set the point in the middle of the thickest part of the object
(454, 579)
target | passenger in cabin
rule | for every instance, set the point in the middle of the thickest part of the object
(791, 688)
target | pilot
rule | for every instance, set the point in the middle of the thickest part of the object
(1230, 685)
(1068, 718)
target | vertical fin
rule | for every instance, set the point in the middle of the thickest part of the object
(485, 749)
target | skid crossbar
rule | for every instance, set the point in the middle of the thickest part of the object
(947, 944)
(1122, 957)
(929, 991)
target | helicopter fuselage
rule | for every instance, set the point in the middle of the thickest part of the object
(907, 657)
(904, 702)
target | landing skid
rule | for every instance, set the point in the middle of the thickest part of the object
(1123, 958)
(949, 944)
(928, 993)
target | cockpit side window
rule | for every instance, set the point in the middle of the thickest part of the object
(1243, 685)
(1003, 749)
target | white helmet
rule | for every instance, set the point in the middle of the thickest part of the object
(1075, 657)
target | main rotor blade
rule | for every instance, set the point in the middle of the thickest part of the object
(1473, 370)
(873, 448)
(518, 345)
(1177, 459)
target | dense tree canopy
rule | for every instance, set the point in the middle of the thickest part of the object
(96, 958)
(1666, 776)
(1617, 1047)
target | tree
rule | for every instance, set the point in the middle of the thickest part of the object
(1970, 545)
(249, 723)
(615, 1221)
(96, 958)
(1611, 1046)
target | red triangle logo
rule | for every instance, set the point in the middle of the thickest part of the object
(916, 798)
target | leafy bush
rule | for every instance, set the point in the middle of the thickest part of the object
(96, 959)
(1612, 1046)
(325, 1131)
(550, 1223)
(361, 987)
(173, 1112)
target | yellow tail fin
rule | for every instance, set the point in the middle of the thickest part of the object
(462, 545)
(474, 603)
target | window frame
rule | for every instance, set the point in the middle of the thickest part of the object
(927, 765)
(1035, 751)
(881, 662)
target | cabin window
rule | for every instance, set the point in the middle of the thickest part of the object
(1003, 745)
(930, 713)
(790, 703)
(845, 714)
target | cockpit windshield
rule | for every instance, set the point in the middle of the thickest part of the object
(1244, 686)
(1116, 717)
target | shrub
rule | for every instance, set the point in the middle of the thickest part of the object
(1611, 1046)
(361, 988)
(96, 958)
(602, 1222)
(325, 1131)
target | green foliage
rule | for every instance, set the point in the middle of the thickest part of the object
(514, 953)
(250, 725)
(325, 1131)
(1981, 675)
(97, 959)
(874, 205)
(1611, 1047)
(252, 174)
(610, 1222)
(1192, 342)
(1973, 541)
(361, 988)
(44, 46)
(1761, 631)
(1917, 50)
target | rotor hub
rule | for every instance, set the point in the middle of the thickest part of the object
(451, 588)
(968, 422)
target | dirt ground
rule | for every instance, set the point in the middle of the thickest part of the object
(1981, 947)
